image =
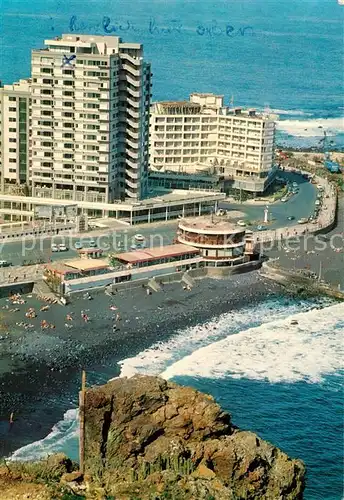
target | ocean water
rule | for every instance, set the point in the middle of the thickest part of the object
(283, 381)
(284, 56)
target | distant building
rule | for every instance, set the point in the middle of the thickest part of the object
(204, 137)
(14, 135)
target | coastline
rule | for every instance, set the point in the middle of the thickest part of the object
(51, 365)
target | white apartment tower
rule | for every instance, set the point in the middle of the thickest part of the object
(204, 135)
(90, 100)
(14, 135)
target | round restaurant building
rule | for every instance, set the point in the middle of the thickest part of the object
(220, 242)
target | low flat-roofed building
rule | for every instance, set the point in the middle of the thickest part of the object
(90, 253)
(88, 266)
(62, 270)
(158, 255)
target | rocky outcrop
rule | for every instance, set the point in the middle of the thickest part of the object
(145, 436)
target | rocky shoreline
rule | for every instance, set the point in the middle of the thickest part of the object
(145, 437)
(40, 372)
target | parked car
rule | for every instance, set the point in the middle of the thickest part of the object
(78, 245)
(291, 217)
(241, 223)
(92, 244)
(62, 248)
(54, 248)
(5, 263)
(261, 228)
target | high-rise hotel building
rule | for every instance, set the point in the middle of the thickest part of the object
(14, 134)
(202, 135)
(89, 120)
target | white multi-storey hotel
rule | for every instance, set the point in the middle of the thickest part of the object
(89, 128)
(90, 115)
(202, 135)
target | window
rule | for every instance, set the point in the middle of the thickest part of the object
(46, 70)
(12, 150)
(12, 130)
(13, 110)
(91, 105)
(12, 170)
(13, 99)
(13, 160)
(12, 119)
(12, 139)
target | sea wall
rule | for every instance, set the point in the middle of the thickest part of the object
(13, 288)
(298, 281)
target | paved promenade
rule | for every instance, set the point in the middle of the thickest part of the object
(326, 218)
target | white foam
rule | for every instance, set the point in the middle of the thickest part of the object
(56, 441)
(207, 350)
(310, 128)
(157, 358)
(276, 351)
(290, 112)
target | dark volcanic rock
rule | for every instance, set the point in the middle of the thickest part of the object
(163, 437)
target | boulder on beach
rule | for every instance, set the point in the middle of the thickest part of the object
(146, 436)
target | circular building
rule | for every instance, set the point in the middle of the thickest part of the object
(220, 242)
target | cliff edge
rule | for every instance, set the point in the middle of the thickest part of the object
(148, 438)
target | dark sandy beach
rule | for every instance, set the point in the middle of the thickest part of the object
(40, 369)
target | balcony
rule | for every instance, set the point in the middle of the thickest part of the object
(131, 163)
(133, 174)
(133, 185)
(210, 241)
(132, 70)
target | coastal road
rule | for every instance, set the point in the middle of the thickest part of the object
(122, 239)
(156, 234)
(322, 254)
(300, 205)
